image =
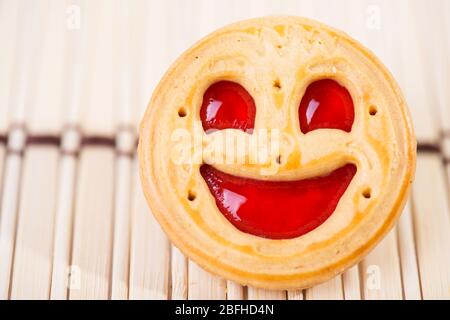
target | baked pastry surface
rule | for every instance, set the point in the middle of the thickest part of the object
(275, 59)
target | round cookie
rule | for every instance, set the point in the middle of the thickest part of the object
(321, 160)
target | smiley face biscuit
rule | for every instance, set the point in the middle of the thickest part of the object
(277, 152)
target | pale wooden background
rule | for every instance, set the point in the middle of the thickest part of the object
(73, 221)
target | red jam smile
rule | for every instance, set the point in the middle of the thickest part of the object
(226, 105)
(277, 209)
(326, 104)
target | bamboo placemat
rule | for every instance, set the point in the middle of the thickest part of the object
(76, 77)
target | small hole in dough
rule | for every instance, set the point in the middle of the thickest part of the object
(278, 159)
(367, 193)
(191, 195)
(373, 110)
(277, 84)
(182, 112)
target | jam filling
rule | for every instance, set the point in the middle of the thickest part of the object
(277, 209)
(227, 104)
(326, 104)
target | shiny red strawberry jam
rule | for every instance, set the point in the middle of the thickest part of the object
(326, 104)
(226, 105)
(277, 209)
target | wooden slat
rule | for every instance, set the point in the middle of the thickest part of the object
(149, 243)
(208, 18)
(203, 285)
(179, 275)
(95, 111)
(234, 291)
(29, 25)
(122, 60)
(2, 162)
(292, 7)
(380, 271)
(411, 70)
(9, 206)
(151, 60)
(125, 145)
(76, 44)
(295, 295)
(432, 227)
(444, 9)
(8, 219)
(32, 22)
(330, 290)
(63, 226)
(354, 19)
(8, 33)
(329, 12)
(408, 258)
(92, 239)
(443, 82)
(351, 283)
(148, 19)
(150, 250)
(45, 114)
(122, 224)
(93, 229)
(262, 294)
(257, 8)
(41, 116)
(34, 240)
(435, 35)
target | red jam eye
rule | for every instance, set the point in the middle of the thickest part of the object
(226, 105)
(326, 104)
